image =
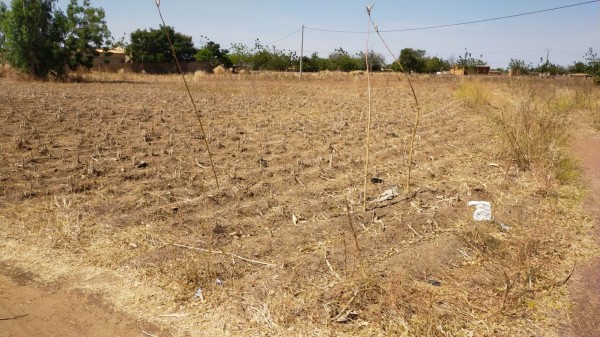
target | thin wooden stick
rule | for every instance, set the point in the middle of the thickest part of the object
(220, 252)
(369, 8)
(417, 106)
(360, 259)
(414, 231)
(343, 311)
(331, 270)
(14, 317)
(189, 93)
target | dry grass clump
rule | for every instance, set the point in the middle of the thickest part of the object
(4, 70)
(199, 75)
(219, 70)
(8, 72)
(533, 125)
(596, 118)
(475, 93)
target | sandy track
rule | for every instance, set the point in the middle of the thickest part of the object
(27, 309)
(585, 288)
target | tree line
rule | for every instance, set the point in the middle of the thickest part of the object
(39, 38)
(589, 65)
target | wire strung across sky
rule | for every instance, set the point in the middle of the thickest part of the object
(452, 24)
(297, 30)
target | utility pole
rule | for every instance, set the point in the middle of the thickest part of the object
(301, 51)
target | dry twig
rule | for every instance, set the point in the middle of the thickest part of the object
(220, 252)
(14, 317)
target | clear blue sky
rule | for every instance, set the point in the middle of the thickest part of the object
(566, 33)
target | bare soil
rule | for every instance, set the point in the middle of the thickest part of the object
(108, 203)
(29, 310)
(586, 280)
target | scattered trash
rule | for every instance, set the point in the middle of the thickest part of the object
(504, 228)
(376, 180)
(483, 210)
(434, 283)
(198, 295)
(388, 194)
(219, 282)
(294, 219)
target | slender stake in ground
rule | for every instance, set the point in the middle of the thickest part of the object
(368, 110)
(189, 93)
(417, 106)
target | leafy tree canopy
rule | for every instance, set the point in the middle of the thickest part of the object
(435, 64)
(39, 38)
(468, 61)
(342, 60)
(412, 60)
(240, 54)
(416, 60)
(578, 67)
(266, 58)
(152, 45)
(211, 52)
(519, 67)
(593, 65)
(3, 11)
(376, 60)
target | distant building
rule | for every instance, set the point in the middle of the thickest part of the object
(112, 56)
(580, 75)
(476, 70)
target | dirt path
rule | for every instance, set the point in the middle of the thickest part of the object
(27, 309)
(585, 288)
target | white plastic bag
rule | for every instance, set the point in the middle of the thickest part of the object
(483, 210)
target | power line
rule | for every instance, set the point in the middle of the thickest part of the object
(285, 37)
(459, 23)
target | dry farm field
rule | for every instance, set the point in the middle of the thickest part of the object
(106, 190)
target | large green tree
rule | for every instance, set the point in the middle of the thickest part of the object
(152, 45)
(412, 60)
(86, 32)
(376, 60)
(212, 53)
(39, 38)
(435, 64)
(342, 60)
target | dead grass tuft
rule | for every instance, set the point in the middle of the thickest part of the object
(534, 129)
(475, 93)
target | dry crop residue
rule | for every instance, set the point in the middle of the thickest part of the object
(107, 185)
